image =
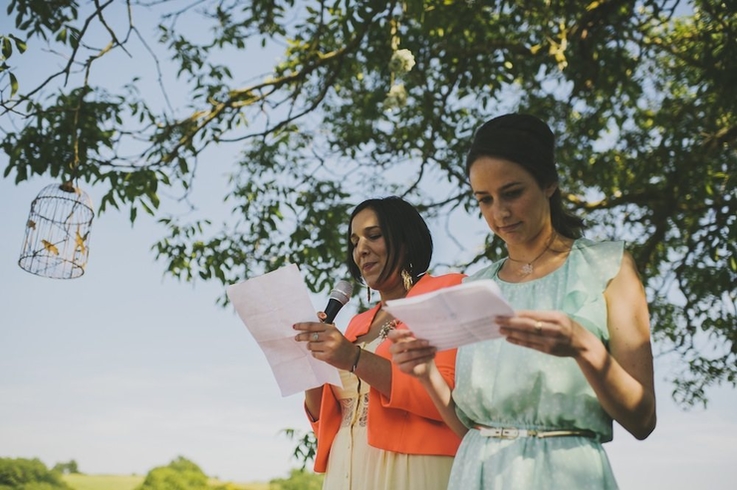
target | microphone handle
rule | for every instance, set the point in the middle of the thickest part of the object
(331, 310)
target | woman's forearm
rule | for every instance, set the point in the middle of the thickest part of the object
(376, 371)
(622, 396)
(441, 395)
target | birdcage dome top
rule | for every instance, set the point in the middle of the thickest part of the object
(67, 191)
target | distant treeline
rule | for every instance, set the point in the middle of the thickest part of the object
(31, 474)
(181, 473)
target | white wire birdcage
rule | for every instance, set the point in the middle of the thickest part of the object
(56, 242)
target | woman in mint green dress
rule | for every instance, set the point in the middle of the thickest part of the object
(535, 406)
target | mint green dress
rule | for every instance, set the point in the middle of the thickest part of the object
(502, 385)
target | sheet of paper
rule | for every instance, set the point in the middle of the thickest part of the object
(454, 316)
(269, 305)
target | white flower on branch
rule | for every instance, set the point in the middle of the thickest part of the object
(396, 98)
(402, 62)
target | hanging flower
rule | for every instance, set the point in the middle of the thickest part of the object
(396, 98)
(402, 62)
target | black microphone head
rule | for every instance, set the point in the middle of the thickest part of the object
(342, 292)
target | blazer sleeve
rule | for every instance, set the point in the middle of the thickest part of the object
(407, 393)
(325, 427)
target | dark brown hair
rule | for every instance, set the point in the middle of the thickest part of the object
(528, 142)
(407, 237)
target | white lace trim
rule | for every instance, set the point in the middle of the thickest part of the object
(354, 414)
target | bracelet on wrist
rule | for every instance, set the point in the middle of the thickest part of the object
(355, 362)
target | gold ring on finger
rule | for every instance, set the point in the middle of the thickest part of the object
(538, 326)
(315, 337)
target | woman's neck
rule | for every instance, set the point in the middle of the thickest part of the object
(532, 250)
(537, 262)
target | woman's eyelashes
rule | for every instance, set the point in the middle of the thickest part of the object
(512, 194)
(372, 238)
(509, 195)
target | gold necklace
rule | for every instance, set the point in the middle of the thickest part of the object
(527, 268)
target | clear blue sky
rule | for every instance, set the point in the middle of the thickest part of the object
(123, 369)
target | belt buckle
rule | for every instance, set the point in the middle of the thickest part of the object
(510, 433)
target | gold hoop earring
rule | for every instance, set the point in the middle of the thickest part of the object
(406, 279)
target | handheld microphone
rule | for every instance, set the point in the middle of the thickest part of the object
(339, 296)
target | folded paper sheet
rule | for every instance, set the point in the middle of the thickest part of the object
(269, 305)
(454, 316)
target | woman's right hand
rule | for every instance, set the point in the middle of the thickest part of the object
(412, 356)
(327, 343)
(416, 357)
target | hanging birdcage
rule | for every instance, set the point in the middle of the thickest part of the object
(56, 242)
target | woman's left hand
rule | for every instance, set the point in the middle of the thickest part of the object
(551, 332)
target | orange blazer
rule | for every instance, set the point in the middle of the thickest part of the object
(407, 420)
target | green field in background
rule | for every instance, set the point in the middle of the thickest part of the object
(103, 482)
(129, 482)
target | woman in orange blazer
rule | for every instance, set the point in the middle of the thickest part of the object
(380, 430)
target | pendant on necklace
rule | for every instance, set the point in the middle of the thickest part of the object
(526, 270)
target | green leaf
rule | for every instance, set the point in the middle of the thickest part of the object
(19, 44)
(13, 84)
(7, 47)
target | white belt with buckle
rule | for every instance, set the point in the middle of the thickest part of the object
(514, 433)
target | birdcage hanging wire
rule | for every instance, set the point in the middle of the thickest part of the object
(56, 242)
